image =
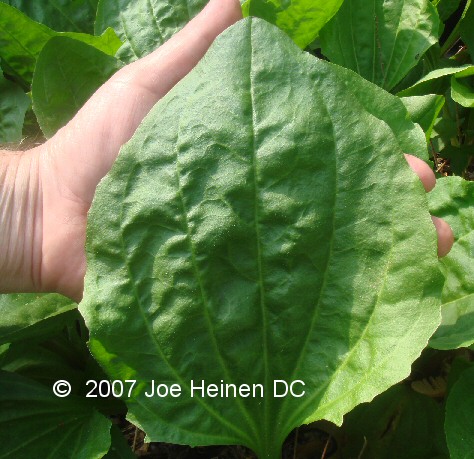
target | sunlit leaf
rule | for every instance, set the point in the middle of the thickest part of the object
(300, 19)
(242, 236)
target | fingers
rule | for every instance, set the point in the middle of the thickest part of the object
(90, 143)
(423, 171)
(427, 177)
(445, 236)
(162, 69)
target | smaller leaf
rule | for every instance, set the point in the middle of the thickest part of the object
(453, 200)
(36, 423)
(13, 105)
(466, 29)
(29, 315)
(300, 19)
(446, 7)
(22, 39)
(459, 427)
(461, 93)
(382, 41)
(119, 448)
(424, 110)
(61, 15)
(457, 326)
(399, 423)
(454, 35)
(144, 25)
(431, 81)
(67, 73)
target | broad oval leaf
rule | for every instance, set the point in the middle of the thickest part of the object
(458, 425)
(144, 25)
(300, 19)
(261, 225)
(381, 40)
(67, 73)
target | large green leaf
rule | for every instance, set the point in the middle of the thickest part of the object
(13, 105)
(60, 15)
(144, 25)
(22, 39)
(458, 425)
(399, 423)
(300, 19)
(381, 40)
(67, 73)
(29, 315)
(34, 423)
(257, 229)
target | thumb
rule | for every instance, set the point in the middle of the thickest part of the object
(90, 142)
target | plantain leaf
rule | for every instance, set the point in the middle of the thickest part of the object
(67, 73)
(13, 105)
(466, 28)
(381, 41)
(29, 315)
(453, 200)
(457, 326)
(22, 39)
(461, 93)
(458, 425)
(399, 423)
(36, 423)
(431, 81)
(261, 225)
(60, 15)
(446, 7)
(144, 25)
(424, 110)
(300, 19)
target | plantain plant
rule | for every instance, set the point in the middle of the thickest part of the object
(284, 269)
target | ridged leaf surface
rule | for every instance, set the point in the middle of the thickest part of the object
(261, 225)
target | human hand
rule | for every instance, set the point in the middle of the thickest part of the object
(45, 247)
(80, 154)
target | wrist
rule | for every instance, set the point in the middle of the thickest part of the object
(20, 221)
